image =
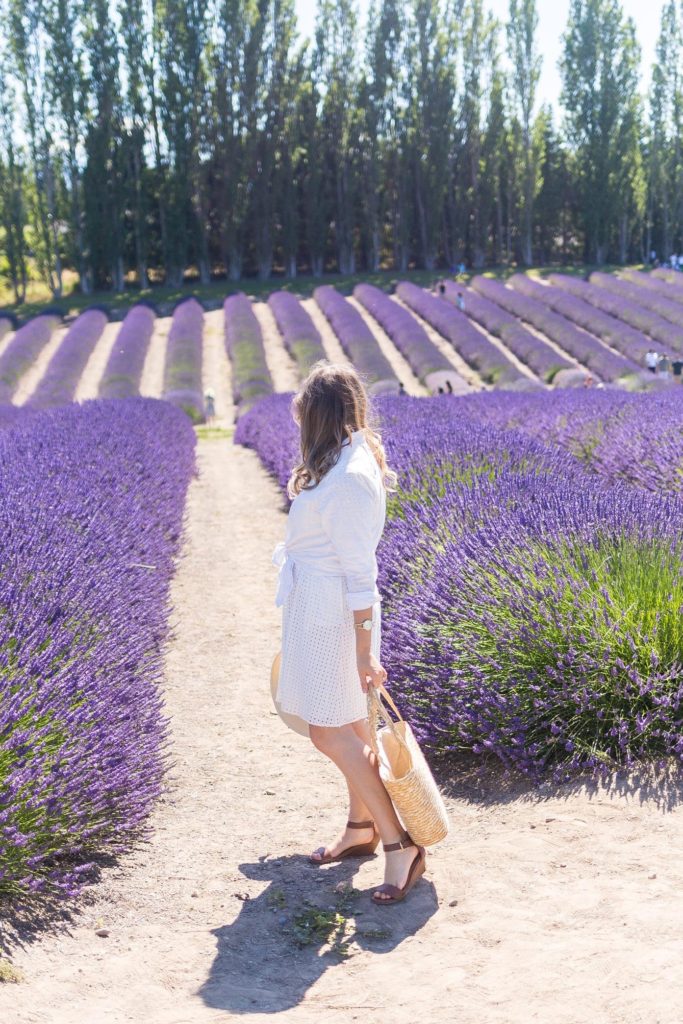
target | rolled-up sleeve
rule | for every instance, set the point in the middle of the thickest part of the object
(349, 518)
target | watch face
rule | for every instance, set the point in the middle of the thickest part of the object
(367, 624)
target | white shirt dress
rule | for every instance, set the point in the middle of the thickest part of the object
(328, 570)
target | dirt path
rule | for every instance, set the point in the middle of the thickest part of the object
(399, 365)
(216, 368)
(333, 350)
(283, 369)
(152, 376)
(563, 906)
(89, 383)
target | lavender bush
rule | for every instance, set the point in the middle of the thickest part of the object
(406, 333)
(300, 334)
(357, 340)
(121, 378)
(630, 312)
(615, 333)
(183, 368)
(532, 594)
(668, 309)
(58, 384)
(476, 349)
(538, 356)
(90, 525)
(251, 378)
(586, 350)
(23, 350)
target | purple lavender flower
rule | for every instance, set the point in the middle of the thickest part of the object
(90, 526)
(251, 378)
(23, 350)
(183, 368)
(300, 334)
(60, 380)
(121, 378)
(357, 340)
(604, 363)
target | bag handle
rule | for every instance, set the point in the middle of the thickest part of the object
(375, 708)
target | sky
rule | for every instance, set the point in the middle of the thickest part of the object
(552, 19)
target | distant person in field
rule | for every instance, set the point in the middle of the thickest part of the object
(449, 387)
(442, 288)
(677, 368)
(460, 302)
(210, 405)
(651, 359)
(461, 270)
(664, 367)
(401, 388)
(588, 381)
(653, 258)
(331, 612)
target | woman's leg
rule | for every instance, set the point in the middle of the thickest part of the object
(350, 752)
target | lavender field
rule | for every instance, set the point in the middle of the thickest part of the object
(531, 570)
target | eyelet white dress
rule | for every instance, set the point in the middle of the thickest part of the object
(328, 569)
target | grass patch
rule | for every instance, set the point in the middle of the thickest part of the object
(207, 433)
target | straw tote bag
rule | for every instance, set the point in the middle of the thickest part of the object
(405, 772)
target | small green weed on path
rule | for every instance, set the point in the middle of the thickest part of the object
(205, 433)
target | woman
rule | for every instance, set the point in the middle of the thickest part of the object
(331, 611)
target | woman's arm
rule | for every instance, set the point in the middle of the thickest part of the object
(370, 672)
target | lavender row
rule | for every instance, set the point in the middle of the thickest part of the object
(631, 343)
(87, 556)
(662, 287)
(23, 350)
(183, 367)
(630, 312)
(121, 378)
(585, 349)
(409, 337)
(357, 340)
(535, 353)
(58, 384)
(659, 304)
(672, 278)
(512, 577)
(251, 378)
(301, 336)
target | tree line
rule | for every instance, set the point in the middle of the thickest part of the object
(156, 138)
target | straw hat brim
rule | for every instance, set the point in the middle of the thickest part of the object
(291, 721)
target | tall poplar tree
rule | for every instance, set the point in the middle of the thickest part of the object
(526, 71)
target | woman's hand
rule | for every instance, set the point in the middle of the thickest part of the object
(370, 671)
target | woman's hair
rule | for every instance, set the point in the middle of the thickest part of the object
(330, 404)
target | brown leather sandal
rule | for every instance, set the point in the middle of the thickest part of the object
(417, 868)
(359, 850)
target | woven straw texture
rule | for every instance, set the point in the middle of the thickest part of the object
(405, 773)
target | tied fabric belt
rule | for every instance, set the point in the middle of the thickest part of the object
(285, 580)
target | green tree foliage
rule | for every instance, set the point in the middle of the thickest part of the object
(160, 139)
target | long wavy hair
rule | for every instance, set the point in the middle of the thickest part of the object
(329, 406)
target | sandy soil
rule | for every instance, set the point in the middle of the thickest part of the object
(283, 369)
(89, 383)
(399, 365)
(333, 350)
(562, 905)
(216, 367)
(152, 377)
(29, 381)
(5, 340)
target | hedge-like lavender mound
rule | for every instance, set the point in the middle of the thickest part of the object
(90, 524)
(532, 586)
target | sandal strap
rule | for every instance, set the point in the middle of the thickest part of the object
(360, 824)
(388, 889)
(402, 844)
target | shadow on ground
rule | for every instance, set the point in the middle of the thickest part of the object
(487, 783)
(306, 921)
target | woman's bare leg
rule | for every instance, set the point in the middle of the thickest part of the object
(349, 752)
